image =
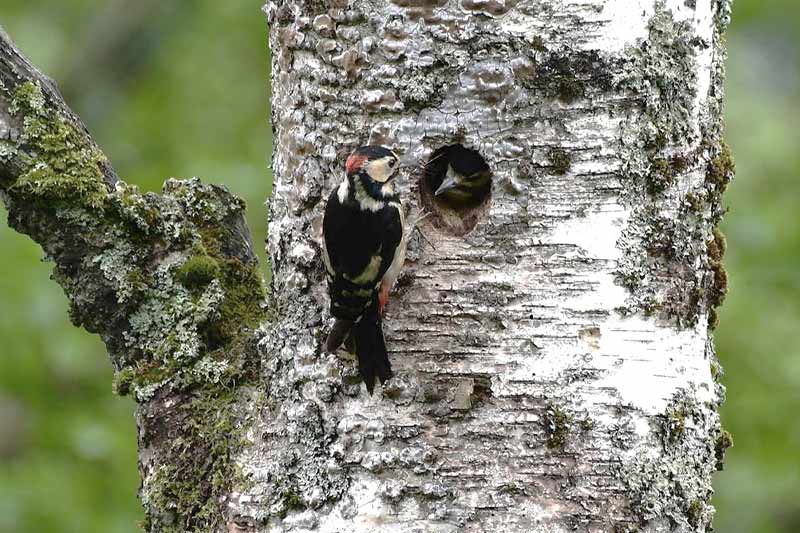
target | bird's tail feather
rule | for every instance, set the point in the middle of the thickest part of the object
(340, 330)
(370, 347)
(358, 325)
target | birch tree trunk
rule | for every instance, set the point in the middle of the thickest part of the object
(552, 347)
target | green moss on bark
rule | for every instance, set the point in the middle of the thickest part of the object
(721, 168)
(674, 427)
(723, 442)
(664, 171)
(198, 467)
(169, 281)
(198, 272)
(556, 423)
(123, 380)
(670, 265)
(60, 166)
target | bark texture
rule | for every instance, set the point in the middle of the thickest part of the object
(554, 363)
(553, 352)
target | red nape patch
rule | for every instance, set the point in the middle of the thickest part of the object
(354, 162)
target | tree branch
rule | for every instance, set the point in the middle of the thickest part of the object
(15, 71)
(169, 281)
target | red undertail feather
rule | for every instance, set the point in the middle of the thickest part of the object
(383, 297)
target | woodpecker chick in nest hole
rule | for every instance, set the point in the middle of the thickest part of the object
(460, 176)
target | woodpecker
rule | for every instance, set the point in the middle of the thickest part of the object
(466, 178)
(363, 249)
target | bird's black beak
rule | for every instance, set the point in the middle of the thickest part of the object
(448, 183)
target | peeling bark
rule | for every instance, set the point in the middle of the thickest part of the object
(554, 361)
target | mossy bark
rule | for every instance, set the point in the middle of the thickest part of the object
(170, 282)
(555, 368)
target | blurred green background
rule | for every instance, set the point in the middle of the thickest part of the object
(180, 89)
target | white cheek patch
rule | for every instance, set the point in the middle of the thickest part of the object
(379, 170)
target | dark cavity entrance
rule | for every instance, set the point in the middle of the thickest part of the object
(456, 188)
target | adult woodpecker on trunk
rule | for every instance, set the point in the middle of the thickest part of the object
(363, 249)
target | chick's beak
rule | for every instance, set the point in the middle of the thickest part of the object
(448, 183)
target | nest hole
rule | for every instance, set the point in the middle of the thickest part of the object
(456, 188)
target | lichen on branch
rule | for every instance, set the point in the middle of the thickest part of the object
(60, 167)
(169, 281)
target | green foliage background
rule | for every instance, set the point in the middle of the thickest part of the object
(180, 89)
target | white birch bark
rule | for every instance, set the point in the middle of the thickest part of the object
(554, 365)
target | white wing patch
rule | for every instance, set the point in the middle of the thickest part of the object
(370, 272)
(399, 253)
(343, 191)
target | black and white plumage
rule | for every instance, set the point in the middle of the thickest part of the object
(364, 250)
